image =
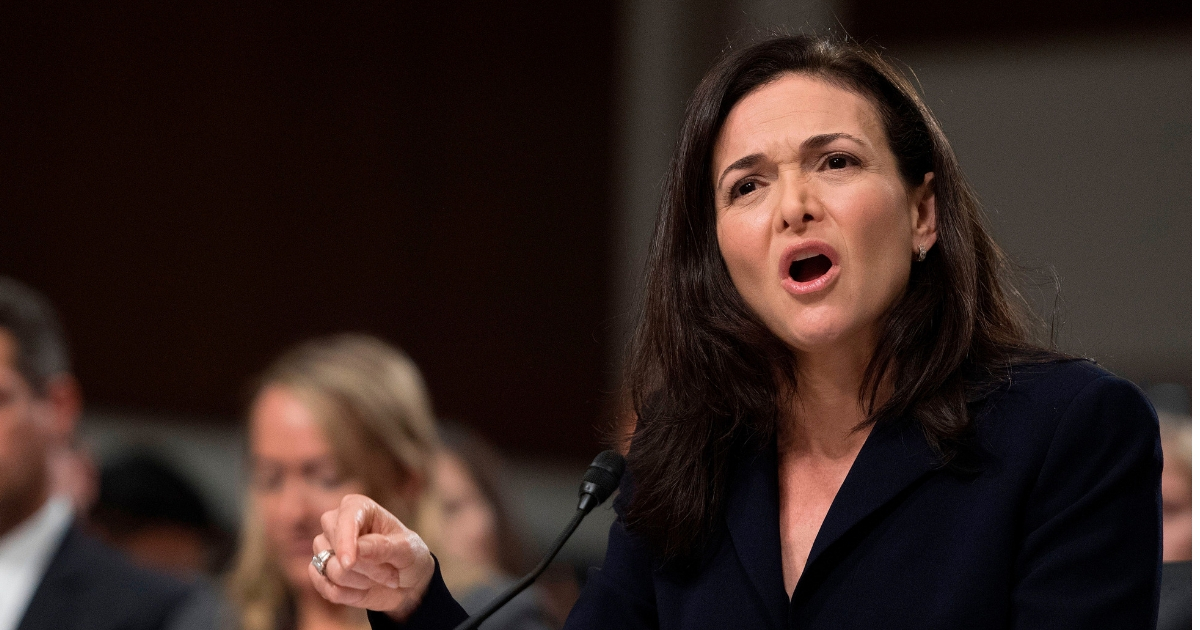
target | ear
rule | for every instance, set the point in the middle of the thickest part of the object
(64, 401)
(923, 208)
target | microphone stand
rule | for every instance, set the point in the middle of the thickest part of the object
(600, 480)
(473, 622)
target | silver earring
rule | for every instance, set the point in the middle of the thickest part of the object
(921, 251)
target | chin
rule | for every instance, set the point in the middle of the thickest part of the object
(816, 339)
(826, 330)
(294, 568)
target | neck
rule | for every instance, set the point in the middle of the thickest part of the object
(827, 408)
(314, 612)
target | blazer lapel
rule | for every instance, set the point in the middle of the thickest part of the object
(753, 520)
(894, 457)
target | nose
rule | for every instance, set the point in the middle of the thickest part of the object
(799, 203)
(295, 504)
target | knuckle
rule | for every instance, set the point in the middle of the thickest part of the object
(332, 573)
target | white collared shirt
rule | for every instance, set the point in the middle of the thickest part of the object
(25, 552)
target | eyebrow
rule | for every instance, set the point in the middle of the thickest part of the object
(813, 142)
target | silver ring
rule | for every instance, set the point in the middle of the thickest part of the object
(320, 559)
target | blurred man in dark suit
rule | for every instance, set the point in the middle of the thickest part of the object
(52, 575)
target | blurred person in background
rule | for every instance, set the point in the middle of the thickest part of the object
(333, 416)
(479, 544)
(154, 514)
(73, 474)
(148, 510)
(52, 574)
(1176, 486)
(1175, 609)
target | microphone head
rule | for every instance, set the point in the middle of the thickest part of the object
(602, 477)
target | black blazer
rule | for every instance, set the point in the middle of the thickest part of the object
(1057, 525)
(88, 586)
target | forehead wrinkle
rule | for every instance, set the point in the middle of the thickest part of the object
(821, 118)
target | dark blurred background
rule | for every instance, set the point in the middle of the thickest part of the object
(199, 185)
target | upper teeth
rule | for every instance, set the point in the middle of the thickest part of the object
(806, 256)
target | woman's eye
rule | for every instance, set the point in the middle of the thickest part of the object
(330, 481)
(838, 161)
(745, 188)
(266, 480)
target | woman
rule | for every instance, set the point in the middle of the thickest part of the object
(842, 419)
(334, 416)
(479, 547)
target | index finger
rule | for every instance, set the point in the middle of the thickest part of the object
(350, 519)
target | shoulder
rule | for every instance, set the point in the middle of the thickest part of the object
(1072, 407)
(1055, 381)
(1079, 452)
(1042, 394)
(101, 584)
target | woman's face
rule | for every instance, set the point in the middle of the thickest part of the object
(816, 225)
(468, 521)
(295, 478)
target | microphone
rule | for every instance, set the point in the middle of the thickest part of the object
(599, 482)
(601, 479)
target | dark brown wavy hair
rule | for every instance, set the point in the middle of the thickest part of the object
(705, 375)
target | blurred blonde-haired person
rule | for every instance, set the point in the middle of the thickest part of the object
(341, 415)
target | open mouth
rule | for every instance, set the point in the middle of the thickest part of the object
(810, 268)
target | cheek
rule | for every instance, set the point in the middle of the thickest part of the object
(468, 520)
(882, 242)
(274, 513)
(478, 535)
(483, 522)
(15, 436)
(887, 223)
(279, 526)
(744, 250)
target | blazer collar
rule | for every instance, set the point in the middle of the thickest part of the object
(894, 456)
(752, 516)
